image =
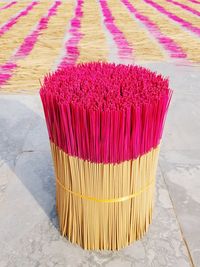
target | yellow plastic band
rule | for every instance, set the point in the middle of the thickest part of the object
(113, 200)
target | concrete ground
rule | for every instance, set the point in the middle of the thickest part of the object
(29, 234)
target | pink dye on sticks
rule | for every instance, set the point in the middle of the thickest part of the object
(14, 20)
(32, 38)
(189, 26)
(187, 8)
(105, 113)
(71, 46)
(124, 48)
(8, 5)
(194, 1)
(6, 70)
(168, 43)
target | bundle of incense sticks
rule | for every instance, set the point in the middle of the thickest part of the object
(105, 124)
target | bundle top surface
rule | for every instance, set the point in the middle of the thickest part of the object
(105, 86)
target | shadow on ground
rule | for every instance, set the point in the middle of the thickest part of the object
(25, 149)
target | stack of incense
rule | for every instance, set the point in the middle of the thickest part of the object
(105, 124)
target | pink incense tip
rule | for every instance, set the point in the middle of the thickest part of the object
(105, 86)
(103, 112)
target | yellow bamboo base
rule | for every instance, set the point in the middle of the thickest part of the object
(104, 206)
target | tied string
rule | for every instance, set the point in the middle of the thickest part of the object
(112, 200)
